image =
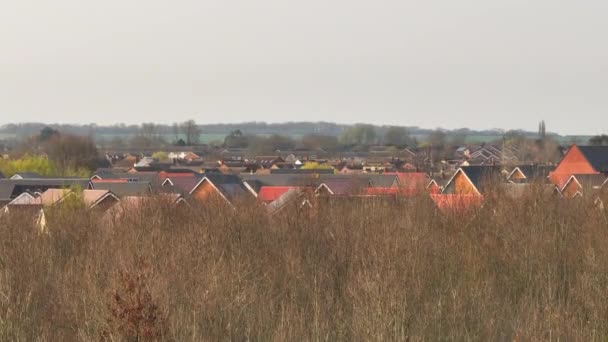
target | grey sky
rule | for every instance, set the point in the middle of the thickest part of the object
(466, 63)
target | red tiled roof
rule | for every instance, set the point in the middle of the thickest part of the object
(164, 175)
(271, 193)
(411, 179)
(390, 191)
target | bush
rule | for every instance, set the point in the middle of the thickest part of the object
(359, 269)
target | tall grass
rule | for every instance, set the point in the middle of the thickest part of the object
(515, 269)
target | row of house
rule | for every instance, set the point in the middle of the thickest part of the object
(378, 159)
(583, 171)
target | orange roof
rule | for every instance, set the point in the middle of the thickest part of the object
(52, 196)
(271, 193)
(164, 175)
(559, 179)
(411, 179)
(390, 191)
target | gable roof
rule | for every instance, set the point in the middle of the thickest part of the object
(290, 195)
(272, 193)
(593, 182)
(341, 186)
(124, 189)
(11, 188)
(597, 156)
(25, 198)
(228, 186)
(411, 179)
(93, 197)
(26, 175)
(532, 172)
(478, 174)
(183, 184)
(383, 180)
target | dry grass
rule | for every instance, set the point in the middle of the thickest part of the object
(531, 269)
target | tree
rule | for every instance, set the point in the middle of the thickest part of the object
(397, 136)
(191, 131)
(315, 141)
(175, 129)
(47, 133)
(40, 165)
(160, 156)
(313, 165)
(542, 130)
(599, 140)
(359, 134)
(236, 139)
(271, 144)
(72, 154)
(437, 138)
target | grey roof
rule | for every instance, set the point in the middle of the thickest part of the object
(517, 190)
(28, 175)
(282, 180)
(184, 185)
(345, 186)
(591, 181)
(11, 188)
(382, 181)
(536, 172)
(480, 174)
(301, 171)
(124, 189)
(597, 156)
(231, 186)
(2, 175)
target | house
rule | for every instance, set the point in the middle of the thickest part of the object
(268, 162)
(226, 187)
(11, 188)
(472, 180)
(294, 197)
(181, 184)
(580, 160)
(132, 208)
(268, 194)
(352, 169)
(295, 171)
(341, 186)
(518, 190)
(530, 173)
(26, 175)
(584, 185)
(411, 180)
(387, 180)
(433, 187)
(123, 189)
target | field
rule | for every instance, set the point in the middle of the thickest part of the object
(526, 269)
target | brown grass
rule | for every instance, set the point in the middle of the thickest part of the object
(528, 269)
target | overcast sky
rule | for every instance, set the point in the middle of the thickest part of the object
(466, 63)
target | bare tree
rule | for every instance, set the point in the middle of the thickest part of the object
(191, 131)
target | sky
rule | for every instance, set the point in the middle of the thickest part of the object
(480, 64)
